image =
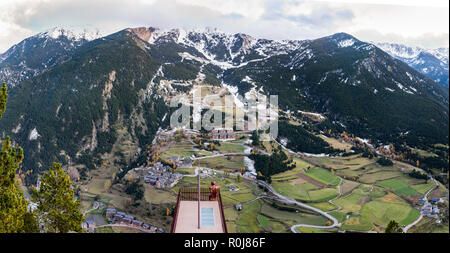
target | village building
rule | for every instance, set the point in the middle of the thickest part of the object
(159, 176)
(223, 134)
(110, 212)
(435, 200)
(98, 205)
(185, 163)
(89, 225)
(250, 175)
(233, 188)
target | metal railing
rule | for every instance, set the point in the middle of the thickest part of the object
(222, 215)
(191, 194)
(175, 216)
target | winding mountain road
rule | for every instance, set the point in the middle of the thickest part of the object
(295, 202)
(278, 196)
(220, 155)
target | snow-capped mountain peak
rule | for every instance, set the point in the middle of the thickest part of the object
(37, 53)
(433, 63)
(75, 34)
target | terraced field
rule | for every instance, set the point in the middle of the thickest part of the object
(350, 203)
(381, 213)
(422, 188)
(356, 223)
(291, 174)
(323, 175)
(340, 163)
(232, 163)
(182, 149)
(399, 186)
(335, 143)
(229, 147)
(296, 191)
(323, 194)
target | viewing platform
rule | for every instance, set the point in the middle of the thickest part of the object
(194, 216)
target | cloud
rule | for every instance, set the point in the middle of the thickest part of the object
(377, 20)
(427, 40)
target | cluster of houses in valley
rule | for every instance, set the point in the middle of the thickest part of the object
(233, 188)
(160, 176)
(430, 210)
(250, 174)
(181, 162)
(98, 205)
(123, 219)
(223, 134)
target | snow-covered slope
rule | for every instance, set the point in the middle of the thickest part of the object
(35, 54)
(72, 34)
(224, 49)
(433, 63)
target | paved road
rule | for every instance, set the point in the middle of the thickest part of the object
(219, 155)
(279, 197)
(192, 175)
(338, 207)
(293, 201)
(124, 226)
(259, 197)
(407, 227)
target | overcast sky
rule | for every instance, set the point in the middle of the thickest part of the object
(422, 23)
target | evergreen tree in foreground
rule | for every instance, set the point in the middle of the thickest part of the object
(14, 217)
(13, 205)
(393, 227)
(56, 202)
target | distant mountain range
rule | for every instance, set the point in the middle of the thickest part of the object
(433, 63)
(35, 54)
(75, 98)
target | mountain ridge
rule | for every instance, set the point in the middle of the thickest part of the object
(433, 63)
(97, 96)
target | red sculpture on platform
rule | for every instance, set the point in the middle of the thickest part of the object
(213, 189)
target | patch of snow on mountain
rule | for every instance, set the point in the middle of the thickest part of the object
(34, 134)
(346, 43)
(248, 80)
(188, 56)
(72, 34)
(399, 50)
(409, 75)
(365, 141)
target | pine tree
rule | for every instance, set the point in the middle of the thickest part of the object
(31, 224)
(56, 203)
(393, 227)
(13, 205)
(3, 98)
